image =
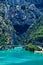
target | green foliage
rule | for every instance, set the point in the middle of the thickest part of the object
(33, 48)
(37, 33)
(2, 39)
(37, 30)
(6, 29)
(20, 42)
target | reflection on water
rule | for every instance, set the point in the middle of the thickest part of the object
(19, 56)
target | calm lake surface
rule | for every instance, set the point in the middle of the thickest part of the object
(18, 56)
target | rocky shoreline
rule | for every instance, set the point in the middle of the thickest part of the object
(39, 51)
(7, 47)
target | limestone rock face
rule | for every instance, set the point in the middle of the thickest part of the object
(17, 17)
(38, 3)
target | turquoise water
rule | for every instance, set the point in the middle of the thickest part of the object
(19, 56)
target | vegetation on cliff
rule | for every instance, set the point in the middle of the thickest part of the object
(32, 48)
(37, 36)
(6, 30)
